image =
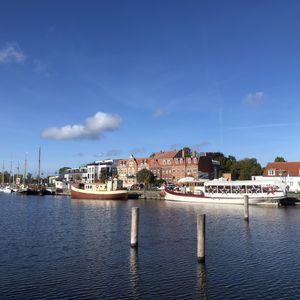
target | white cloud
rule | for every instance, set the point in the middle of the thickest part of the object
(11, 53)
(158, 113)
(254, 99)
(92, 129)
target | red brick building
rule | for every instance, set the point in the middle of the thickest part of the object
(167, 165)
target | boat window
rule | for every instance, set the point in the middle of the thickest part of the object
(254, 189)
(224, 189)
(211, 189)
(238, 189)
(270, 189)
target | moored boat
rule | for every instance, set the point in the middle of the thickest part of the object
(111, 190)
(5, 189)
(230, 192)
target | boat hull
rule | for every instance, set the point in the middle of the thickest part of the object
(253, 199)
(77, 193)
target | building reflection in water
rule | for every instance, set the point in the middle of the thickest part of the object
(201, 282)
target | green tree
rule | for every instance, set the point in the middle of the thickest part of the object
(62, 170)
(226, 163)
(279, 159)
(145, 176)
(187, 151)
(245, 168)
(30, 178)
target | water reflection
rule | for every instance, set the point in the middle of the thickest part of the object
(201, 282)
(100, 203)
(133, 269)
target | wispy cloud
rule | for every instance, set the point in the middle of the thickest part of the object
(11, 53)
(176, 146)
(136, 151)
(159, 113)
(41, 67)
(272, 125)
(79, 154)
(92, 129)
(200, 146)
(113, 153)
(110, 153)
(254, 99)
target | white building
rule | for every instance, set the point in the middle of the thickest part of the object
(100, 169)
(288, 172)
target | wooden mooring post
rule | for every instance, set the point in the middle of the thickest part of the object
(134, 227)
(201, 238)
(246, 208)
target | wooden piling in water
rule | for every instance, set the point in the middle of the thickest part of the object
(246, 208)
(134, 227)
(201, 238)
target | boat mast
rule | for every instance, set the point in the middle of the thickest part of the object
(39, 172)
(17, 175)
(25, 170)
(3, 173)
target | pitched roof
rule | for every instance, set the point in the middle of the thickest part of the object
(288, 168)
(165, 154)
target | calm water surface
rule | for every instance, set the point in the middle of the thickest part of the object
(59, 248)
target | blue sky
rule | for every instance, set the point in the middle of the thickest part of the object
(89, 80)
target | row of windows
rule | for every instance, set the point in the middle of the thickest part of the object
(240, 189)
(180, 160)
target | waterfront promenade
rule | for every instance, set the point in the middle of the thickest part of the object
(59, 248)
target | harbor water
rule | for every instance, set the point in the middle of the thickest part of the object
(60, 248)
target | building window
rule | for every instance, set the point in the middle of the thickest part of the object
(176, 162)
(189, 160)
(271, 172)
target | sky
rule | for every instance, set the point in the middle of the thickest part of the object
(91, 80)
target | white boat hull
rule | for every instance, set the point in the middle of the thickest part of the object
(238, 199)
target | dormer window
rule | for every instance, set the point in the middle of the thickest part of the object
(271, 172)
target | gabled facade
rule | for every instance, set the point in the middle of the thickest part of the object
(128, 168)
(289, 172)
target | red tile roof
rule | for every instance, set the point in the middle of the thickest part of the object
(165, 154)
(287, 168)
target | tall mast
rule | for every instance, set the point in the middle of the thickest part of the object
(3, 173)
(18, 172)
(25, 170)
(39, 175)
(10, 172)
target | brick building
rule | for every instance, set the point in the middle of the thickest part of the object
(167, 165)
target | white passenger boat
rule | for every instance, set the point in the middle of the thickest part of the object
(228, 192)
